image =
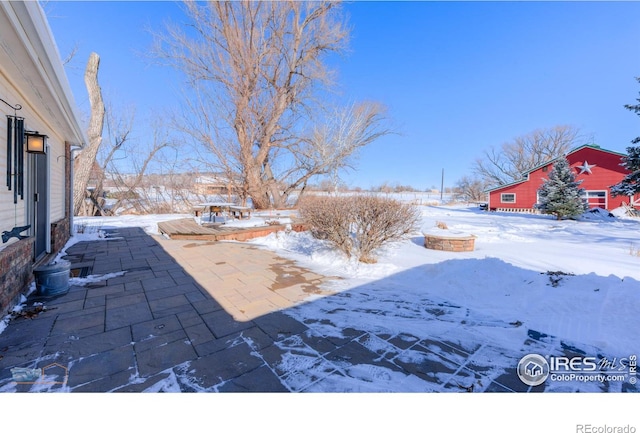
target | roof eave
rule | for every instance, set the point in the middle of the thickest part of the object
(32, 29)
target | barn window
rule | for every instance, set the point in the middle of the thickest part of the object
(595, 199)
(508, 198)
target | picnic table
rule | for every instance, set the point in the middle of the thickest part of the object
(240, 211)
(220, 208)
(216, 208)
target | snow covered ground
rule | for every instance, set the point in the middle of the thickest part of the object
(577, 282)
(574, 280)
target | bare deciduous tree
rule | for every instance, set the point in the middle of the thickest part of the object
(253, 70)
(508, 163)
(472, 188)
(129, 172)
(86, 159)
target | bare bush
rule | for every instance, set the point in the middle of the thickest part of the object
(358, 226)
(442, 225)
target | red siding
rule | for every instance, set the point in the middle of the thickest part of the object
(526, 193)
(606, 171)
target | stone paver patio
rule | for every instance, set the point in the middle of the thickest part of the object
(246, 281)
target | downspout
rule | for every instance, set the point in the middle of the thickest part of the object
(71, 182)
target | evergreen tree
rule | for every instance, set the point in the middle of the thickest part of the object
(630, 185)
(560, 195)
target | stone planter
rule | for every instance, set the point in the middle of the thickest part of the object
(449, 240)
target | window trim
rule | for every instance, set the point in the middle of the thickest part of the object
(502, 200)
(585, 196)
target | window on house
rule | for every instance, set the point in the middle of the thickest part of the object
(508, 198)
(595, 199)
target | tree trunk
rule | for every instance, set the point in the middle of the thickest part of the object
(87, 157)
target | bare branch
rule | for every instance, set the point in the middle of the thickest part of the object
(71, 54)
(509, 162)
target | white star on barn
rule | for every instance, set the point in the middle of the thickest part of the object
(585, 167)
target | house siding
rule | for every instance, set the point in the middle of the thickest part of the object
(10, 215)
(31, 75)
(58, 186)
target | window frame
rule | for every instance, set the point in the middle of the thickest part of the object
(502, 197)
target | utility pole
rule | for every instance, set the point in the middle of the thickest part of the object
(442, 185)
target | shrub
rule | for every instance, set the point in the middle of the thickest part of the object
(359, 225)
(442, 225)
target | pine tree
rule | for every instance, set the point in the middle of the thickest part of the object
(560, 195)
(630, 185)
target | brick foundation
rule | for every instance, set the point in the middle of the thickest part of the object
(455, 244)
(60, 234)
(16, 265)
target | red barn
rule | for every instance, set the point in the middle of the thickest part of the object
(597, 168)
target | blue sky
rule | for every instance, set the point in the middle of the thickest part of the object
(458, 77)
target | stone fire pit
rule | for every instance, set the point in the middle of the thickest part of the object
(448, 240)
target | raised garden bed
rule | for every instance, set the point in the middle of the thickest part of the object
(188, 229)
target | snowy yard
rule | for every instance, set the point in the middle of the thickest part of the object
(532, 284)
(575, 280)
(592, 299)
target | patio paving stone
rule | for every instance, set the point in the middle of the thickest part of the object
(213, 316)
